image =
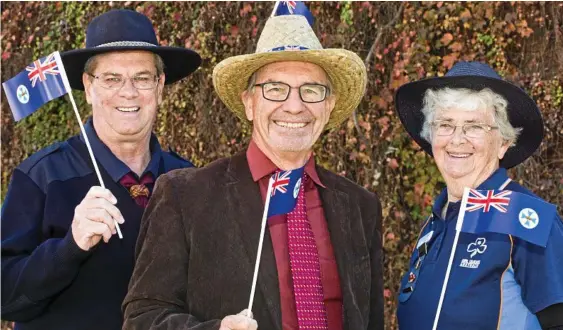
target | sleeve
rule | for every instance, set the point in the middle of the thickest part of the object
(157, 299)
(539, 271)
(376, 299)
(34, 270)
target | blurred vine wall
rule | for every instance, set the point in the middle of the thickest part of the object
(400, 42)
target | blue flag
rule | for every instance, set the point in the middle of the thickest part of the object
(39, 83)
(508, 212)
(294, 8)
(285, 188)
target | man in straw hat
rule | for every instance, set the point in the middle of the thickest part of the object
(509, 274)
(56, 273)
(321, 263)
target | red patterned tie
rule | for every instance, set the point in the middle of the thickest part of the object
(305, 267)
(137, 189)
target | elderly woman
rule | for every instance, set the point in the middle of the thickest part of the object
(476, 126)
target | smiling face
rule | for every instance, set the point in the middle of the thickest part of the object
(463, 160)
(127, 113)
(291, 126)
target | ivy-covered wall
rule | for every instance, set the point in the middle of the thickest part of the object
(400, 42)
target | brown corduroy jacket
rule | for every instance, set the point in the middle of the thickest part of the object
(197, 247)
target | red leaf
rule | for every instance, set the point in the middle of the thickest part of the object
(446, 39)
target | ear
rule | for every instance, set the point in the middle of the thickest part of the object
(330, 103)
(503, 148)
(87, 84)
(248, 101)
(160, 88)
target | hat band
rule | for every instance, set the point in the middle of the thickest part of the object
(127, 44)
(291, 48)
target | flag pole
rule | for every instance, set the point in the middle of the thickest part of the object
(458, 227)
(260, 242)
(67, 87)
(275, 8)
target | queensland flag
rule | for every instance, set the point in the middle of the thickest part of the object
(39, 83)
(508, 212)
(294, 8)
(285, 188)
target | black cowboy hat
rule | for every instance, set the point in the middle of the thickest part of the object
(119, 30)
(522, 110)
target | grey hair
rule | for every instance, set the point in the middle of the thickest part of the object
(252, 81)
(470, 100)
(90, 65)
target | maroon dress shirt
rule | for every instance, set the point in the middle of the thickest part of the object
(261, 169)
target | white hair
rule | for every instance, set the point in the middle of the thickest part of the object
(469, 100)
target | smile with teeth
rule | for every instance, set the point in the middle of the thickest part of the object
(458, 154)
(290, 125)
(129, 109)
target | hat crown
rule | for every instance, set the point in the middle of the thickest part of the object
(287, 30)
(472, 69)
(120, 26)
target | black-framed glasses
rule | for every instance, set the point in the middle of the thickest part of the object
(279, 92)
(472, 130)
(116, 81)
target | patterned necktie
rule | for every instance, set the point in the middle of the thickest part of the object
(305, 267)
(137, 188)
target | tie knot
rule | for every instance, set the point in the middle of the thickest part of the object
(137, 188)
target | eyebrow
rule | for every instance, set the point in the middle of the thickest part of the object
(119, 74)
(471, 121)
(305, 83)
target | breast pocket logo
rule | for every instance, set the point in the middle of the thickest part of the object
(477, 247)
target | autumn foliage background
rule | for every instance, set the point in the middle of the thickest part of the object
(400, 42)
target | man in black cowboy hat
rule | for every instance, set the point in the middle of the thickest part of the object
(476, 125)
(56, 272)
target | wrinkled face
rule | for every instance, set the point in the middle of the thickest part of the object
(291, 125)
(126, 112)
(459, 156)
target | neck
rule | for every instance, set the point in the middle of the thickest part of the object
(456, 185)
(286, 160)
(135, 153)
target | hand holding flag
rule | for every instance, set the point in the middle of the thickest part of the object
(42, 81)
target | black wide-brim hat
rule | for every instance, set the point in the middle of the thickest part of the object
(122, 30)
(522, 110)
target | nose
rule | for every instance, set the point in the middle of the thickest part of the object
(128, 91)
(293, 104)
(458, 137)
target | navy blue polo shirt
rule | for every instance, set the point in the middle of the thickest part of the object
(497, 281)
(48, 282)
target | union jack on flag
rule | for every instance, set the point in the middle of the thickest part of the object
(476, 200)
(281, 181)
(38, 70)
(290, 6)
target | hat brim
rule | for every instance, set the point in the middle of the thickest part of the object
(178, 62)
(522, 112)
(345, 69)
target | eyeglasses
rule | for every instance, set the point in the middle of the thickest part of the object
(279, 92)
(116, 81)
(472, 130)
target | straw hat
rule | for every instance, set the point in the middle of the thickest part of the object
(291, 38)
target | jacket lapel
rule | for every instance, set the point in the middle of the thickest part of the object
(351, 253)
(248, 207)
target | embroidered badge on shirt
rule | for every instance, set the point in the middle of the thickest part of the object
(478, 247)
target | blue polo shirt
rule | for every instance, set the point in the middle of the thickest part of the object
(48, 282)
(496, 281)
